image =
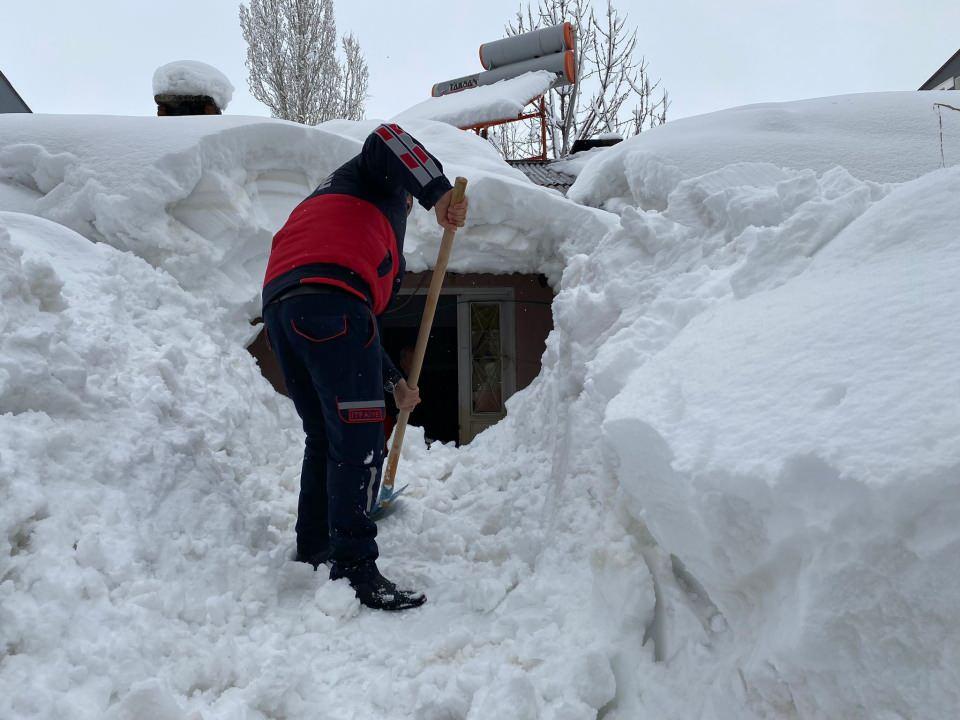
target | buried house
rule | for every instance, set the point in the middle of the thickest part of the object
(201, 197)
(494, 314)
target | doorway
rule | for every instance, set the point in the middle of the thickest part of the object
(469, 370)
(487, 342)
(438, 411)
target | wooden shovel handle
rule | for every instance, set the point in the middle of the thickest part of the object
(426, 324)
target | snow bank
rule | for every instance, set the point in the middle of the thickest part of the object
(135, 440)
(889, 137)
(753, 441)
(501, 101)
(793, 448)
(514, 225)
(149, 482)
(190, 77)
(201, 197)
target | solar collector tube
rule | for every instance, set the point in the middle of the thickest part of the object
(538, 43)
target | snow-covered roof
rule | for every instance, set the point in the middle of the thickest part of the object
(10, 100)
(544, 173)
(202, 196)
(191, 77)
(513, 226)
(198, 196)
(504, 100)
(885, 137)
(950, 69)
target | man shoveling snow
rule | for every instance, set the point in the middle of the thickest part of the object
(334, 266)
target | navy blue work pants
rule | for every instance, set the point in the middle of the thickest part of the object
(328, 348)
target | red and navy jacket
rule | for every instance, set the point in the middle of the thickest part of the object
(349, 232)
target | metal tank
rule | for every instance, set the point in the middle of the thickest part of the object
(538, 43)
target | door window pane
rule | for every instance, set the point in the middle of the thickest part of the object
(486, 357)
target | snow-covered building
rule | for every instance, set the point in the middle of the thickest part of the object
(494, 314)
(947, 77)
(10, 100)
(491, 328)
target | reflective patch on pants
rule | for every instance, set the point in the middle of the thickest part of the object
(362, 411)
(373, 488)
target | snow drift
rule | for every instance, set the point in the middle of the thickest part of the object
(730, 493)
(201, 197)
(889, 137)
(132, 430)
(793, 449)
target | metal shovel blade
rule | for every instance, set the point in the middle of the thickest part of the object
(386, 503)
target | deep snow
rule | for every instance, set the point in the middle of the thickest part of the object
(731, 493)
(889, 137)
(201, 197)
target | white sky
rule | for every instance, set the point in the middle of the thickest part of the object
(98, 56)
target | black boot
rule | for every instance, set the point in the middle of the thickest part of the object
(374, 590)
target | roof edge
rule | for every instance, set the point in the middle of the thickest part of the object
(9, 84)
(942, 68)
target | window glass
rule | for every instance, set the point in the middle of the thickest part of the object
(486, 371)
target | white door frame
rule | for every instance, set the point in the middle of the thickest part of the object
(505, 296)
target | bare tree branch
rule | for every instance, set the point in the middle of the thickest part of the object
(611, 79)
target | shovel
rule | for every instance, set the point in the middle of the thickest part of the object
(386, 502)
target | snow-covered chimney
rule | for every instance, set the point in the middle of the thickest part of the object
(189, 87)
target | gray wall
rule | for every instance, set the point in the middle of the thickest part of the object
(950, 70)
(10, 101)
